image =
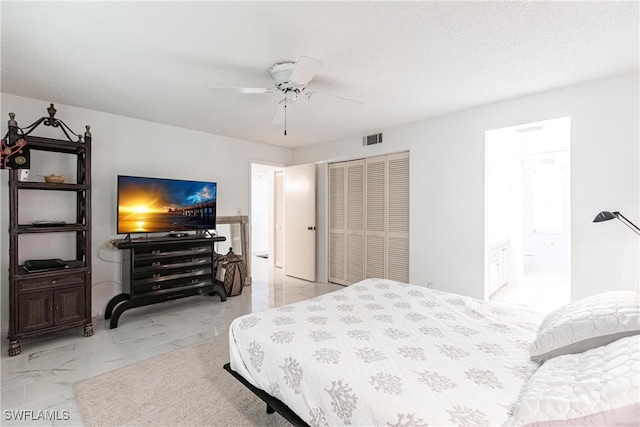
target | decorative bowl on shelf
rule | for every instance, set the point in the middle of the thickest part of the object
(54, 179)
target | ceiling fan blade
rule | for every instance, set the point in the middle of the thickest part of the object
(278, 117)
(310, 95)
(304, 71)
(220, 89)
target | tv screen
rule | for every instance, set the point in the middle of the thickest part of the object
(151, 205)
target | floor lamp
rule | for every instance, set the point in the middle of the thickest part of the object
(606, 216)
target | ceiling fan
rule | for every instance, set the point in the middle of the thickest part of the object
(291, 80)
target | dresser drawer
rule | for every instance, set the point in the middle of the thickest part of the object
(160, 252)
(50, 282)
(175, 271)
(145, 287)
(152, 264)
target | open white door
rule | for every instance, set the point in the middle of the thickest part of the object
(300, 221)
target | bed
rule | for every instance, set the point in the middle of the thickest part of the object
(387, 353)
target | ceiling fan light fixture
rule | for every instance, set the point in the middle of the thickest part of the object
(291, 95)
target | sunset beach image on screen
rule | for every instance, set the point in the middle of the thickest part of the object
(149, 205)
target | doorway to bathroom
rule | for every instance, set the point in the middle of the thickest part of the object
(528, 214)
(266, 222)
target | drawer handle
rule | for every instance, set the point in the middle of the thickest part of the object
(195, 259)
(155, 252)
(194, 281)
(155, 264)
(155, 275)
(155, 287)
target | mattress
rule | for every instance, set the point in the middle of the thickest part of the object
(387, 353)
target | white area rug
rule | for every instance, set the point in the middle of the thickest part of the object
(185, 387)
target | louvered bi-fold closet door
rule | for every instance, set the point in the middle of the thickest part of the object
(369, 219)
(397, 248)
(337, 223)
(354, 233)
(375, 217)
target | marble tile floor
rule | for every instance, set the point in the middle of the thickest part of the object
(41, 378)
(540, 292)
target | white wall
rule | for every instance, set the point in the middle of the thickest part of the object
(447, 184)
(127, 146)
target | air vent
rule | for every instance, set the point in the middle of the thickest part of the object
(376, 138)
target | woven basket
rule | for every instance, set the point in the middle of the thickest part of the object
(54, 179)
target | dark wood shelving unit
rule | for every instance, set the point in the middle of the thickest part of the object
(47, 302)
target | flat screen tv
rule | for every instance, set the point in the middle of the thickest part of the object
(155, 205)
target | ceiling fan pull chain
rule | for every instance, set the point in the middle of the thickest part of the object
(285, 118)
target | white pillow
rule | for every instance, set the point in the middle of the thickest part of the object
(587, 323)
(599, 387)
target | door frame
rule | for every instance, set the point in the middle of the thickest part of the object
(271, 225)
(520, 137)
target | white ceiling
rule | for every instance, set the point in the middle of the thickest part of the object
(407, 61)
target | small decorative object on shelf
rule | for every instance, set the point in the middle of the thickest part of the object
(15, 153)
(48, 296)
(54, 179)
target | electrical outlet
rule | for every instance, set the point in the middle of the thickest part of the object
(431, 285)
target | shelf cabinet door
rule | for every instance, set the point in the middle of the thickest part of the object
(35, 311)
(69, 305)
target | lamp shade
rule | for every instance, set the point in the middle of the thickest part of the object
(604, 216)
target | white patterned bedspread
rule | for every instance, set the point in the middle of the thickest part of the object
(383, 353)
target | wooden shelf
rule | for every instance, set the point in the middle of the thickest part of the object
(28, 228)
(74, 266)
(55, 145)
(28, 185)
